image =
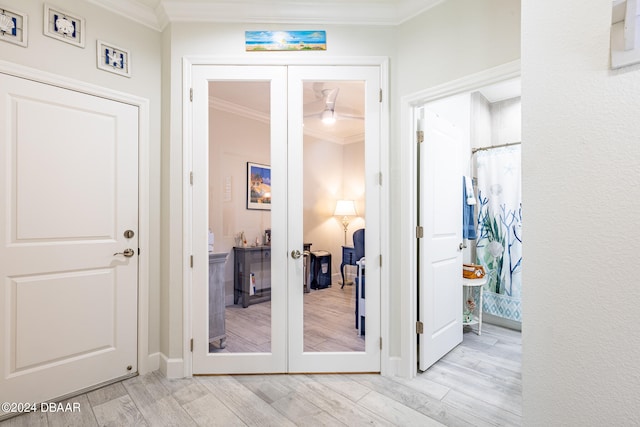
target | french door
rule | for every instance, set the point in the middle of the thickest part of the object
(267, 173)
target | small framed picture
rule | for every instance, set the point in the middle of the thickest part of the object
(258, 186)
(13, 26)
(64, 26)
(113, 59)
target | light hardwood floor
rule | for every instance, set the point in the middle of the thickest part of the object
(476, 384)
(329, 324)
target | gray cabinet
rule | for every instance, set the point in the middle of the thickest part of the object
(217, 330)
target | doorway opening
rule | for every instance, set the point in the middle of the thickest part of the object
(410, 107)
(490, 120)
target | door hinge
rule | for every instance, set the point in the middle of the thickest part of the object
(419, 232)
(191, 345)
(380, 178)
(191, 178)
(380, 260)
(191, 94)
(380, 343)
(380, 97)
(191, 261)
(419, 327)
(420, 136)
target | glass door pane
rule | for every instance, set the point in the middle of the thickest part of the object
(333, 182)
(240, 216)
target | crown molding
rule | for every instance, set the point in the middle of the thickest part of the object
(250, 113)
(133, 10)
(354, 12)
(240, 110)
(329, 137)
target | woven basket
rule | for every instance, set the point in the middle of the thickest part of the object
(472, 271)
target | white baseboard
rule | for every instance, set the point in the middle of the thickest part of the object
(171, 368)
(501, 321)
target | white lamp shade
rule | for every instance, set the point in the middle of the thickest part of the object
(345, 208)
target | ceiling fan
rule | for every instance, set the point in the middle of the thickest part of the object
(325, 107)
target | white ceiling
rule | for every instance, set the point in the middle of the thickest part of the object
(158, 13)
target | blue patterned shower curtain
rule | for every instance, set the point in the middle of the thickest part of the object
(499, 244)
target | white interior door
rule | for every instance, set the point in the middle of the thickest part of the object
(440, 251)
(69, 191)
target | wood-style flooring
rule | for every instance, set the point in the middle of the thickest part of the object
(329, 324)
(477, 384)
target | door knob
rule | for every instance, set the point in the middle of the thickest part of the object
(296, 254)
(127, 252)
(461, 246)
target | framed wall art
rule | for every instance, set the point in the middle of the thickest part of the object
(64, 26)
(13, 26)
(258, 186)
(113, 59)
(257, 41)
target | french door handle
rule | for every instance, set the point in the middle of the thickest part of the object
(127, 252)
(295, 254)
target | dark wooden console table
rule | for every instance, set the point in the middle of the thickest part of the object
(256, 260)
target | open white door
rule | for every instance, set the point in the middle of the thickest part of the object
(440, 251)
(68, 240)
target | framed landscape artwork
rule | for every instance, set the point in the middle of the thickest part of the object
(258, 186)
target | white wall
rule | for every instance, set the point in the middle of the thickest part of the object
(322, 185)
(481, 121)
(353, 170)
(506, 121)
(51, 55)
(581, 190)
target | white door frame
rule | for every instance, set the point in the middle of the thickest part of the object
(187, 150)
(407, 363)
(146, 362)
